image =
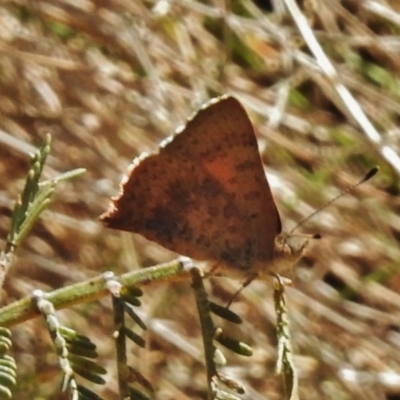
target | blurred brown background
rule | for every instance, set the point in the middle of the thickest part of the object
(109, 79)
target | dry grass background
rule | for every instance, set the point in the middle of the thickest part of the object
(109, 79)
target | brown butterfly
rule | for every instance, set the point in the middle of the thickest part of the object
(205, 195)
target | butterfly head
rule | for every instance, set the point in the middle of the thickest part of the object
(288, 250)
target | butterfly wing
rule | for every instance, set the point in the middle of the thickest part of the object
(204, 194)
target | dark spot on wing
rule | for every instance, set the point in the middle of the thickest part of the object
(246, 165)
(210, 187)
(253, 195)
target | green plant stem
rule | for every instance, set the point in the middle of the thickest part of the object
(90, 290)
(207, 329)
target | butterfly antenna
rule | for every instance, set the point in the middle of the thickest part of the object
(367, 177)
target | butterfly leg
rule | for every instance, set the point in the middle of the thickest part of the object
(245, 284)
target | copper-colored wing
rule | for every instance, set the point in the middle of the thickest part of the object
(204, 194)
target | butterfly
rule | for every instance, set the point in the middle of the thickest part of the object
(204, 194)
